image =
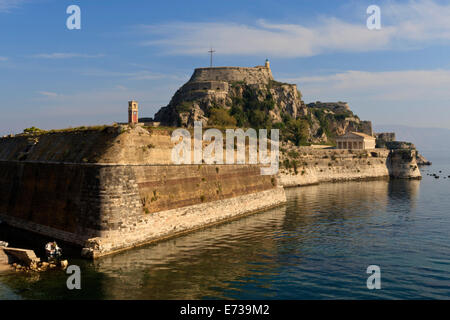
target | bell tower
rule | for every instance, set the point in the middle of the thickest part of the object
(267, 64)
(133, 112)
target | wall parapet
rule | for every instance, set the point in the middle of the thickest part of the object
(250, 75)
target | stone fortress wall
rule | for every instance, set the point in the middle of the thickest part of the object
(106, 208)
(385, 136)
(206, 85)
(250, 75)
(110, 190)
(332, 165)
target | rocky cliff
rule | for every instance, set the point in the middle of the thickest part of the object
(250, 97)
(402, 164)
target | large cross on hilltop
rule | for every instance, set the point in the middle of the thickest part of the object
(211, 51)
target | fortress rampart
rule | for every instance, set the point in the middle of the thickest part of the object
(315, 166)
(106, 208)
(206, 85)
(250, 75)
(110, 189)
(126, 193)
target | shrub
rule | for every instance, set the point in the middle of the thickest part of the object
(185, 106)
(249, 111)
(293, 154)
(296, 131)
(33, 130)
(155, 196)
(294, 163)
(221, 117)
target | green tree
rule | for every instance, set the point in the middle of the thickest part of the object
(32, 130)
(297, 131)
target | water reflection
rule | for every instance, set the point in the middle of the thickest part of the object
(313, 247)
(405, 191)
(218, 262)
(190, 267)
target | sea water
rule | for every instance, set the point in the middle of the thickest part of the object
(317, 246)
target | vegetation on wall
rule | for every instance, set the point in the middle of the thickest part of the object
(37, 131)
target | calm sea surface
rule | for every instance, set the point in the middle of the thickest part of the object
(317, 246)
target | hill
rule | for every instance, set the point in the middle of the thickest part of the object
(251, 97)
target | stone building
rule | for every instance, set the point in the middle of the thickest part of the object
(355, 140)
(385, 136)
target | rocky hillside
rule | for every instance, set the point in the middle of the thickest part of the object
(220, 101)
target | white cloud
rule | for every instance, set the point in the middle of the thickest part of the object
(410, 97)
(62, 55)
(132, 75)
(48, 94)
(419, 20)
(7, 5)
(403, 25)
(281, 40)
(121, 87)
(3, 58)
(402, 86)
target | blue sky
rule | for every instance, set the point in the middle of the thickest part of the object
(52, 77)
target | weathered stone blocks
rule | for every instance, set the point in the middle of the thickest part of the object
(121, 206)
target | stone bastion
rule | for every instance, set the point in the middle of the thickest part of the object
(249, 75)
(114, 188)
